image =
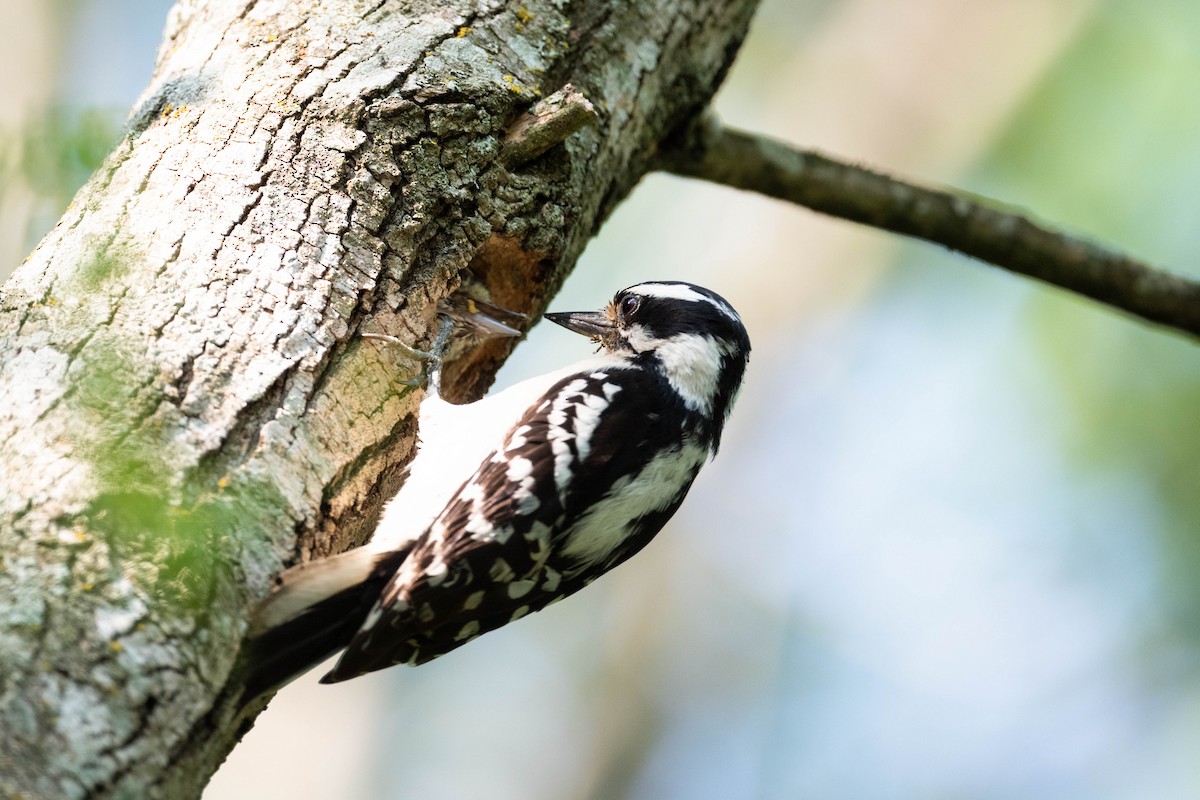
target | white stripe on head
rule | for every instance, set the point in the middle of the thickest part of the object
(683, 291)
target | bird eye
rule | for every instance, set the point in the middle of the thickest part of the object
(629, 305)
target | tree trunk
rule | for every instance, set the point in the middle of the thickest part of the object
(187, 403)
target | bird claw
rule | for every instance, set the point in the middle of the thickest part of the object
(423, 355)
(431, 373)
(475, 318)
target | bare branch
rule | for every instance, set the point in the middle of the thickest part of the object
(973, 226)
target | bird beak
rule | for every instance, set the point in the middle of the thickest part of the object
(592, 324)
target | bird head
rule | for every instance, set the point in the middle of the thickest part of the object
(689, 334)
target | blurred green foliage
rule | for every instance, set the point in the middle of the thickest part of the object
(1130, 391)
(62, 149)
(42, 166)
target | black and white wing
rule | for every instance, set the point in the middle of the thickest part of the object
(580, 484)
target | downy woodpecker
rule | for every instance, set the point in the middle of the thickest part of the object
(522, 498)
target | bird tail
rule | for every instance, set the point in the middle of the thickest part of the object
(314, 611)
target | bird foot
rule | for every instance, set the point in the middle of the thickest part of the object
(431, 373)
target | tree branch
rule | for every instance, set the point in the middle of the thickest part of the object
(547, 124)
(973, 226)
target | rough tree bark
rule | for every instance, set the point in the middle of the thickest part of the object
(188, 407)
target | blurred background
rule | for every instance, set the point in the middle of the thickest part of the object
(950, 546)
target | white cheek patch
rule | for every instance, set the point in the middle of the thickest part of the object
(640, 339)
(692, 364)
